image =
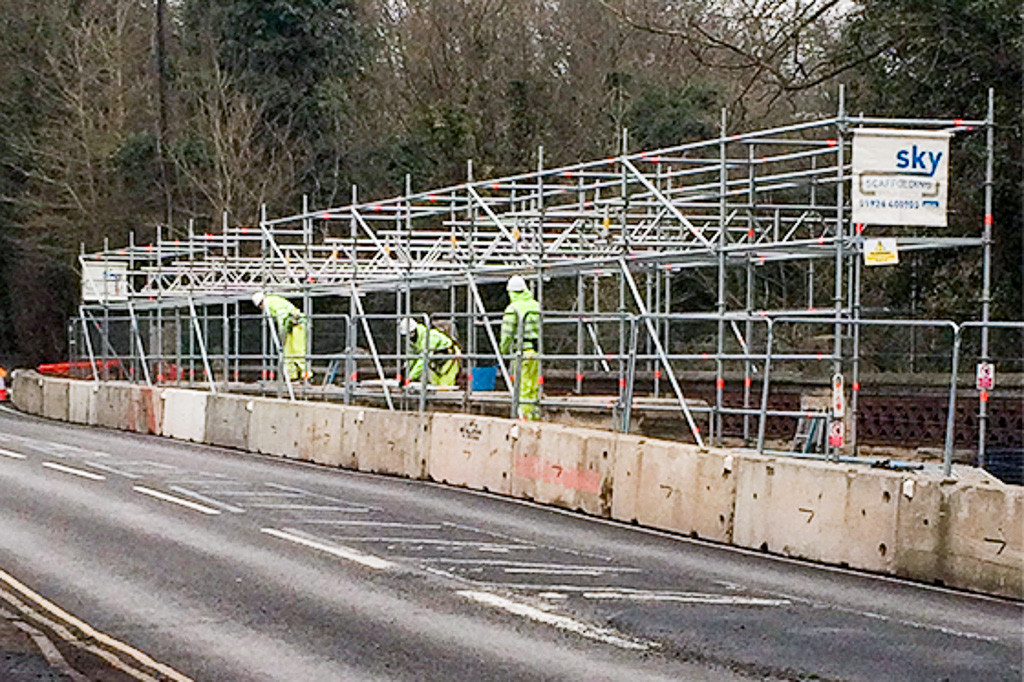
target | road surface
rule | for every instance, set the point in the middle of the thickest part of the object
(180, 561)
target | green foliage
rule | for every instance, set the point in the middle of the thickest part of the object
(943, 57)
(665, 117)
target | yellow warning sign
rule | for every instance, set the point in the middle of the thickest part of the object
(880, 251)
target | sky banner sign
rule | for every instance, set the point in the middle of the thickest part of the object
(900, 177)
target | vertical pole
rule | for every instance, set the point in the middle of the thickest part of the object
(855, 379)
(723, 185)
(580, 311)
(351, 368)
(627, 394)
(540, 273)
(748, 302)
(986, 291)
(947, 451)
(763, 417)
(837, 298)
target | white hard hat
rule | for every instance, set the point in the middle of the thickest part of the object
(257, 298)
(406, 326)
(515, 283)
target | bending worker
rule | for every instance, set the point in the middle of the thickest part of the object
(444, 352)
(523, 311)
(291, 331)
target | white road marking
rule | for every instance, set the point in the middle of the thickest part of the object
(278, 486)
(347, 553)
(209, 500)
(579, 570)
(11, 454)
(374, 524)
(255, 493)
(76, 472)
(158, 465)
(530, 564)
(311, 507)
(606, 635)
(687, 598)
(111, 470)
(176, 500)
(431, 541)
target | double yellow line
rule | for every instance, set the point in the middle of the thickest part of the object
(119, 655)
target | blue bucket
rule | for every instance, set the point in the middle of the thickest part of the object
(484, 378)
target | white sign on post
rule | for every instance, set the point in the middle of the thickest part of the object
(900, 177)
(985, 376)
(838, 398)
(104, 282)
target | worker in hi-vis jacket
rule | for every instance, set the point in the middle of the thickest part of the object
(523, 310)
(291, 330)
(444, 352)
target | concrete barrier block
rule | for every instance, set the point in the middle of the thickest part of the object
(568, 467)
(473, 451)
(81, 403)
(388, 442)
(814, 510)
(184, 414)
(675, 487)
(147, 409)
(321, 433)
(55, 398)
(227, 420)
(871, 510)
(920, 525)
(113, 404)
(27, 391)
(984, 539)
(275, 427)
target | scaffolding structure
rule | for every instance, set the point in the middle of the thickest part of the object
(605, 239)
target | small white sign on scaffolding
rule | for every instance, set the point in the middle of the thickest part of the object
(900, 177)
(104, 282)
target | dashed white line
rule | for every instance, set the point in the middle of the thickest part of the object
(11, 454)
(347, 553)
(176, 500)
(208, 500)
(76, 472)
(605, 635)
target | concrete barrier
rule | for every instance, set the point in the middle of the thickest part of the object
(388, 442)
(676, 487)
(566, 466)
(818, 511)
(55, 398)
(81, 403)
(227, 420)
(184, 414)
(984, 540)
(321, 433)
(27, 391)
(275, 427)
(471, 451)
(113, 404)
(147, 409)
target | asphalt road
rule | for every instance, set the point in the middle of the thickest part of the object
(178, 561)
